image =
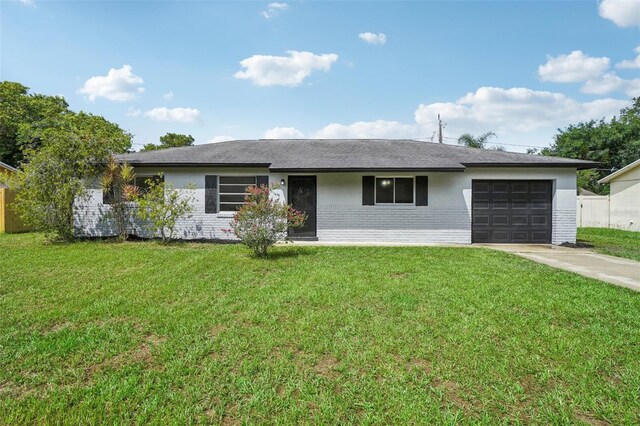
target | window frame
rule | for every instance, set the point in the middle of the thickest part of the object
(375, 190)
(146, 177)
(220, 193)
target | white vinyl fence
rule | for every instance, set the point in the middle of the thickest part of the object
(593, 211)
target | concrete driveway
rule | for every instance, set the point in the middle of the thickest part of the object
(614, 270)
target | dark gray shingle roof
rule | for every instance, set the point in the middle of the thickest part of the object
(343, 154)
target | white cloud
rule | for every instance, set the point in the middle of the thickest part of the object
(373, 38)
(630, 64)
(573, 67)
(180, 115)
(624, 13)
(267, 70)
(118, 85)
(283, 133)
(221, 138)
(274, 9)
(133, 112)
(521, 115)
(611, 82)
(381, 129)
(169, 95)
(28, 2)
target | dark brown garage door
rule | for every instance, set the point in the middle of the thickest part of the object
(511, 211)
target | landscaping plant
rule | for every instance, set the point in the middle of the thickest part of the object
(263, 220)
(161, 206)
(120, 191)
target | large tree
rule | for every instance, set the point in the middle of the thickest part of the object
(23, 118)
(614, 144)
(54, 176)
(170, 140)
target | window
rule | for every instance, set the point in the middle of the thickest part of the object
(391, 190)
(233, 189)
(142, 182)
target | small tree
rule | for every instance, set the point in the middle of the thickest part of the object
(161, 206)
(262, 221)
(120, 191)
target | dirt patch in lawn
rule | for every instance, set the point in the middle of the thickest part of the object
(326, 367)
(590, 419)
(141, 353)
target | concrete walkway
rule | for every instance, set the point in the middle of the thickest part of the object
(614, 270)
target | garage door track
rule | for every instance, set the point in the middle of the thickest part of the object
(614, 270)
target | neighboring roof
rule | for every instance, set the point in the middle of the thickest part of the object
(582, 191)
(8, 167)
(343, 155)
(617, 173)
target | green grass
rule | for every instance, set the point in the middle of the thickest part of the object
(193, 333)
(614, 242)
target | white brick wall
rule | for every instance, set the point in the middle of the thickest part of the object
(341, 217)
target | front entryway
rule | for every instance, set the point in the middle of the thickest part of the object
(511, 211)
(302, 195)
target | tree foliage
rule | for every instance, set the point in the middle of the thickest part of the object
(160, 206)
(55, 174)
(263, 220)
(24, 118)
(614, 144)
(170, 140)
(481, 141)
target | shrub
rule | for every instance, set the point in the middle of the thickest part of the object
(120, 191)
(263, 221)
(161, 206)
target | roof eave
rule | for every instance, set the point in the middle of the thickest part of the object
(617, 173)
(579, 166)
(174, 164)
(365, 169)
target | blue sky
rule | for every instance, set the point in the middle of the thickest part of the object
(220, 70)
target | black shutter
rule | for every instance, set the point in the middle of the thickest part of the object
(211, 194)
(262, 180)
(422, 190)
(368, 190)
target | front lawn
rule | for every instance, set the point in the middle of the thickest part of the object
(614, 242)
(195, 333)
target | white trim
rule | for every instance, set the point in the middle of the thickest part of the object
(8, 167)
(617, 173)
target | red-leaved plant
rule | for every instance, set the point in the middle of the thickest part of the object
(262, 220)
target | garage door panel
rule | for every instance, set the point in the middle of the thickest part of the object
(519, 220)
(482, 188)
(513, 211)
(500, 188)
(520, 236)
(480, 204)
(538, 187)
(499, 219)
(519, 188)
(501, 204)
(480, 219)
(500, 236)
(540, 236)
(539, 220)
(519, 204)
